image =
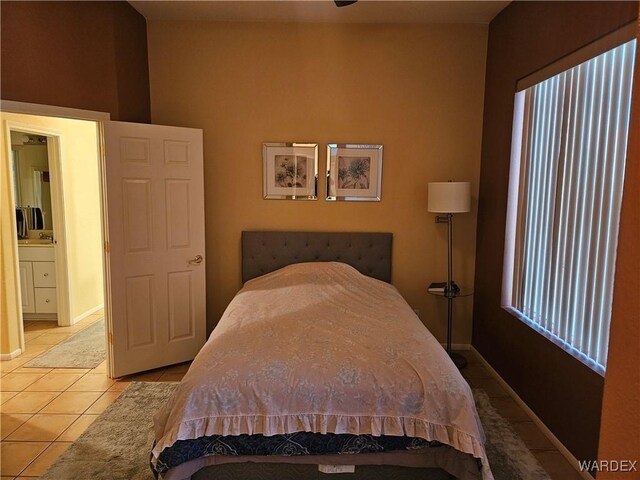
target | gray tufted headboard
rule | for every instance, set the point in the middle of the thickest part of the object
(264, 252)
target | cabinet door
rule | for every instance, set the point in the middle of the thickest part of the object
(44, 274)
(46, 300)
(26, 288)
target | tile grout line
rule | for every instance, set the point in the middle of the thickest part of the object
(59, 392)
(558, 446)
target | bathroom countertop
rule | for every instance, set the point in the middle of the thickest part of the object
(34, 242)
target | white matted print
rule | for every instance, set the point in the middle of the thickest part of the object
(290, 171)
(354, 172)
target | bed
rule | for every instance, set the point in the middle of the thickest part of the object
(318, 362)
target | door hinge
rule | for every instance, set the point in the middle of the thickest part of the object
(107, 247)
(110, 338)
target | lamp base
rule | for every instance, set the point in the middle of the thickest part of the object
(459, 360)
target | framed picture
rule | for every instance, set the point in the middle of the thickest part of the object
(290, 171)
(354, 172)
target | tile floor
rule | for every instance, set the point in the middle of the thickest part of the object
(549, 457)
(43, 410)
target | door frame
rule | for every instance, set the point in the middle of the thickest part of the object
(57, 216)
(53, 150)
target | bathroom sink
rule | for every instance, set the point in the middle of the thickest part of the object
(34, 241)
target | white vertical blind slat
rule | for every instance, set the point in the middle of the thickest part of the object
(530, 230)
(567, 212)
(562, 205)
(600, 196)
(611, 88)
(591, 168)
(550, 199)
(581, 253)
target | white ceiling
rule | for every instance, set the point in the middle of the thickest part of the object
(325, 11)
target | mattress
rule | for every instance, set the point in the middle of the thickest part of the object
(318, 348)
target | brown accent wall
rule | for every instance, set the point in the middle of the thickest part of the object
(620, 431)
(565, 394)
(87, 55)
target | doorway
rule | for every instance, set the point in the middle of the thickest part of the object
(59, 239)
(34, 221)
(151, 245)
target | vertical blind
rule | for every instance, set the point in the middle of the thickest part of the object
(574, 139)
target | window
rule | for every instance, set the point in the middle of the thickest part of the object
(567, 171)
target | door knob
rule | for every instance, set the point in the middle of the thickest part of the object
(196, 260)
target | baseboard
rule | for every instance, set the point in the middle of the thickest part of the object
(457, 346)
(10, 356)
(89, 312)
(573, 461)
(39, 317)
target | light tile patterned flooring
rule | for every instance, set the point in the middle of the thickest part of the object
(43, 410)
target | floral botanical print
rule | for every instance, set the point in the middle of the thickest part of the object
(354, 172)
(291, 170)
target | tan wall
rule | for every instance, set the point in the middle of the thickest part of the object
(79, 147)
(418, 90)
(620, 430)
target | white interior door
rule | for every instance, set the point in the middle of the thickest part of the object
(155, 265)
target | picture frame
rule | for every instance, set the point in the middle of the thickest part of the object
(290, 171)
(354, 172)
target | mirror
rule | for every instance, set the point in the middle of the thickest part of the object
(32, 185)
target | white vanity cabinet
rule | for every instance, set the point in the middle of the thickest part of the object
(38, 279)
(26, 288)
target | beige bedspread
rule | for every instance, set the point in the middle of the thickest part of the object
(320, 347)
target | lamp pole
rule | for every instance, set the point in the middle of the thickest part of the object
(448, 291)
(448, 198)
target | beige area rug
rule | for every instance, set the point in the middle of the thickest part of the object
(116, 446)
(85, 349)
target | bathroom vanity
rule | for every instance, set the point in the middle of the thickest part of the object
(38, 278)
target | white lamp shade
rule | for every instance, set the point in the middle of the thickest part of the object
(449, 197)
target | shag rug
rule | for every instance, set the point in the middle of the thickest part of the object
(509, 457)
(85, 349)
(116, 446)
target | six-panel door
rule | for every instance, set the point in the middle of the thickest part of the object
(155, 215)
